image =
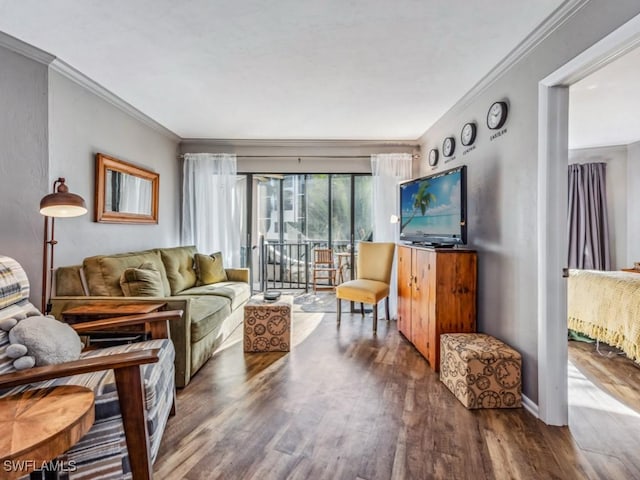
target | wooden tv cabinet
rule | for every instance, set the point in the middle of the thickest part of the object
(436, 294)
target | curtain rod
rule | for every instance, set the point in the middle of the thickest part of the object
(415, 156)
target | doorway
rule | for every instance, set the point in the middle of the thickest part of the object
(553, 101)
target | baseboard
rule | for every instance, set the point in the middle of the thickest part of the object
(531, 407)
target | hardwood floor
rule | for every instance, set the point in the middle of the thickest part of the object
(605, 420)
(346, 405)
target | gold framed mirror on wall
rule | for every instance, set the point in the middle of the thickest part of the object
(125, 193)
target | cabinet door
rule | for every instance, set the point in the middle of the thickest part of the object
(405, 284)
(419, 302)
(455, 298)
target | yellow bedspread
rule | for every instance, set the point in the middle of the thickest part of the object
(606, 306)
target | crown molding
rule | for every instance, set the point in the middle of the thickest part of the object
(300, 143)
(92, 86)
(615, 45)
(29, 51)
(557, 18)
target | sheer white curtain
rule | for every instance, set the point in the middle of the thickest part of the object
(388, 169)
(135, 195)
(210, 209)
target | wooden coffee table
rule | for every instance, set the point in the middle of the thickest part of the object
(101, 310)
(38, 425)
(98, 310)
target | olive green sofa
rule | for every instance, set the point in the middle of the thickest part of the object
(211, 312)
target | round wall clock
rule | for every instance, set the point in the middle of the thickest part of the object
(433, 157)
(448, 146)
(497, 115)
(468, 134)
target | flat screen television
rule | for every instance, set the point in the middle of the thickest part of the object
(433, 209)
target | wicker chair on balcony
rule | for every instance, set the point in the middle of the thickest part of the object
(323, 268)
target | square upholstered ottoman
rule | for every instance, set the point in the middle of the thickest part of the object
(480, 370)
(267, 325)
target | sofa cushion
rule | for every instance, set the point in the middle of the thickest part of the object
(178, 262)
(69, 281)
(209, 268)
(237, 292)
(103, 272)
(144, 281)
(156, 380)
(207, 315)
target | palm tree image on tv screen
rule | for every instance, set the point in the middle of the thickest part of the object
(432, 208)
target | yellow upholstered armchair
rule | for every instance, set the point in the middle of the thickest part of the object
(373, 274)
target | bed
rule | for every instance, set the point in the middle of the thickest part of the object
(606, 306)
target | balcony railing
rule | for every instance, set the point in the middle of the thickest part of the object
(284, 266)
(287, 266)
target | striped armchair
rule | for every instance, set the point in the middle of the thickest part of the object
(103, 452)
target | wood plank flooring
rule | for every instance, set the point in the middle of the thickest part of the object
(344, 404)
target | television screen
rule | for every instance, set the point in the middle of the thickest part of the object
(432, 209)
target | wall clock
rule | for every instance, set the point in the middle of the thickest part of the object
(468, 134)
(448, 146)
(497, 115)
(433, 157)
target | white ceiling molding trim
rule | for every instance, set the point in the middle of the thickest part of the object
(29, 51)
(274, 149)
(563, 13)
(81, 79)
(620, 146)
(301, 143)
(615, 45)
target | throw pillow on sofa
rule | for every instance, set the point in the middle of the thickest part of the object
(144, 281)
(209, 268)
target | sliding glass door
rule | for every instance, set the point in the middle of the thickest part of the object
(293, 214)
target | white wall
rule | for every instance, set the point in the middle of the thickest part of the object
(502, 180)
(633, 203)
(23, 161)
(616, 182)
(81, 125)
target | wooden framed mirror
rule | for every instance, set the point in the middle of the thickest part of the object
(125, 193)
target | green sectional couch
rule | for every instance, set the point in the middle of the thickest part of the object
(211, 311)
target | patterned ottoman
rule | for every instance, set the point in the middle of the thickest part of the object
(480, 370)
(267, 325)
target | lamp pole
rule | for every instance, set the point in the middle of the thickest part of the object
(47, 264)
(60, 203)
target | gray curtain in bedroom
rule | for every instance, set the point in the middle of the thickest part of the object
(587, 220)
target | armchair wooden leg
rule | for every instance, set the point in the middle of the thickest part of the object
(386, 308)
(131, 396)
(339, 307)
(375, 318)
(362, 309)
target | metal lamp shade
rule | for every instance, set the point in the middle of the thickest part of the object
(62, 203)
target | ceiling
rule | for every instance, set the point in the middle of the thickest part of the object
(604, 108)
(286, 69)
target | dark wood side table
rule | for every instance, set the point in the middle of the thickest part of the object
(100, 310)
(38, 425)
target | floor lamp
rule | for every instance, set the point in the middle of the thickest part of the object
(60, 203)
